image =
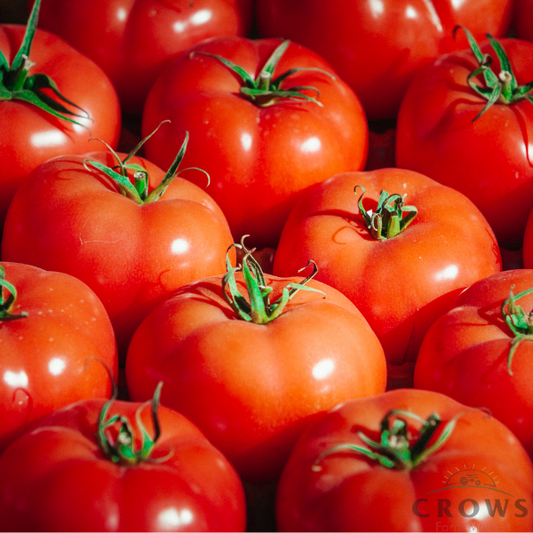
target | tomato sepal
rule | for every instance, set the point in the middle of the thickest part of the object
(6, 304)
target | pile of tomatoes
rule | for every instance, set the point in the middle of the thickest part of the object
(266, 265)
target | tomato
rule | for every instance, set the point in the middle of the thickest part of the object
(406, 460)
(261, 146)
(133, 253)
(486, 158)
(31, 135)
(401, 283)
(250, 377)
(473, 355)
(131, 40)
(377, 46)
(54, 337)
(169, 478)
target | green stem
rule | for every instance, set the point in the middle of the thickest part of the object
(502, 88)
(122, 448)
(266, 90)
(391, 216)
(258, 308)
(399, 447)
(6, 304)
(519, 322)
(17, 84)
(138, 190)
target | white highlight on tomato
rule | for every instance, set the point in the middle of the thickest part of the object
(174, 518)
(43, 139)
(16, 379)
(323, 369)
(312, 144)
(377, 8)
(201, 17)
(450, 272)
(56, 365)
(179, 246)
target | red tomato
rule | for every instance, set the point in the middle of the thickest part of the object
(131, 40)
(30, 135)
(46, 354)
(133, 255)
(252, 384)
(406, 460)
(260, 151)
(403, 283)
(488, 159)
(377, 46)
(472, 354)
(62, 476)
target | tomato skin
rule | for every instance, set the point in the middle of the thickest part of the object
(465, 352)
(351, 492)
(260, 159)
(252, 388)
(401, 284)
(32, 136)
(523, 15)
(195, 489)
(133, 256)
(46, 357)
(131, 40)
(487, 160)
(377, 47)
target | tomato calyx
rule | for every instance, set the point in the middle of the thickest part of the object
(121, 448)
(6, 304)
(17, 84)
(266, 90)
(258, 309)
(518, 321)
(503, 87)
(398, 448)
(138, 190)
(391, 216)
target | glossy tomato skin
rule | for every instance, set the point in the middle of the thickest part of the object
(193, 489)
(465, 354)
(401, 284)
(31, 136)
(346, 491)
(488, 160)
(133, 256)
(260, 159)
(54, 355)
(252, 388)
(131, 40)
(377, 47)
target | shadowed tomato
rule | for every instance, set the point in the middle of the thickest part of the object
(377, 46)
(131, 40)
(54, 336)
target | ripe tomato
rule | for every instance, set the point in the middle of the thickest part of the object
(133, 255)
(261, 150)
(377, 46)
(523, 17)
(401, 283)
(252, 381)
(49, 335)
(131, 40)
(473, 355)
(31, 135)
(406, 460)
(94, 466)
(486, 158)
